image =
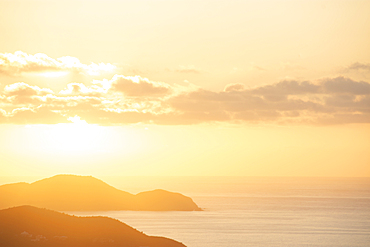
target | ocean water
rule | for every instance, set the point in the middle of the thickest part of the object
(244, 211)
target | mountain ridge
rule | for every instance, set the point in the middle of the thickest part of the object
(86, 193)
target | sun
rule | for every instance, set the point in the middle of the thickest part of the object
(77, 137)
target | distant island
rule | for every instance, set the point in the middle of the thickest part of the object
(28, 226)
(86, 193)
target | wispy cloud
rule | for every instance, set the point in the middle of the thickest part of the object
(21, 62)
(188, 69)
(359, 66)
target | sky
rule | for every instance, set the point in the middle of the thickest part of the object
(174, 87)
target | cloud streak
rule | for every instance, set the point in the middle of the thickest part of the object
(359, 66)
(21, 62)
(188, 69)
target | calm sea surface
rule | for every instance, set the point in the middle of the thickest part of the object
(245, 211)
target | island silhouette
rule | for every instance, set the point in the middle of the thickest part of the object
(86, 193)
(28, 226)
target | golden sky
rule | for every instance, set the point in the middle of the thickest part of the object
(173, 87)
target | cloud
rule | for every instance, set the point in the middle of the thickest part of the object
(285, 87)
(81, 89)
(344, 85)
(253, 66)
(21, 62)
(138, 86)
(188, 69)
(23, 89)
(26, 234)
(324, 102)
(234, 87)
(359, 66)
(38, 115)
(133, 99)
(22, 93)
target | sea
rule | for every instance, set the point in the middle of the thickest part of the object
(255, 211)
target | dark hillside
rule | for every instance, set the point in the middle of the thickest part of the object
(28, 226)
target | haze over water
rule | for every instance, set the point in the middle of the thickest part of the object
(252, 211)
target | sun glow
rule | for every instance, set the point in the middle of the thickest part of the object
(54, 74)
(77, 137)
